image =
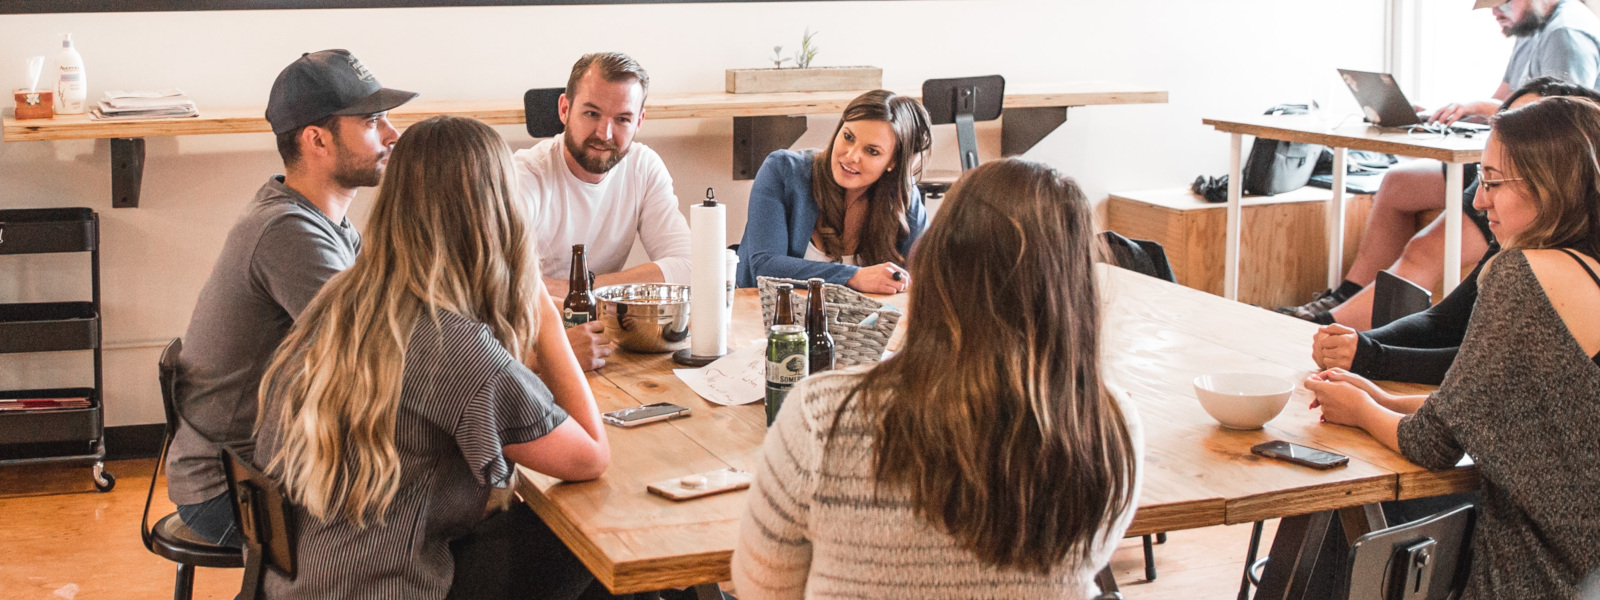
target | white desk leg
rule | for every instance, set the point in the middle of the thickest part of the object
(1336, 222)
(1452, 226)
(1230, 260)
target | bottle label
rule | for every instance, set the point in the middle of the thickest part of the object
(573, 319)
(787, 371)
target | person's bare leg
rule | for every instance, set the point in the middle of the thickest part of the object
(1422, 263)
(1409, 188)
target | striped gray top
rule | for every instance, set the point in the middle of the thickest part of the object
(1523, 400)
(816, 529)
(463, 398)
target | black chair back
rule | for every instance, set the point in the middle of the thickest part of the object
(265, 520)
(168, 376)
(1420, 560)
(541, 109)
(1141, 256)
(963, 101)
(1394, 297)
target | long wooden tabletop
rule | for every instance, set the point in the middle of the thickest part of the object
(1159, 337)
(666, 105)
(1310, 129)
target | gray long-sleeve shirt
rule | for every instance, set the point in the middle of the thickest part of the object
(1523, 399)
(274, 261)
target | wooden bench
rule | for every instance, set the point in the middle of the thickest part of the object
(1286, 261)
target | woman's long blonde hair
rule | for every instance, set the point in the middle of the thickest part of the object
(447, 233)
(993, 417)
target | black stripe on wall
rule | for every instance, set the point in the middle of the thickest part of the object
(77, 6)
(134, 441)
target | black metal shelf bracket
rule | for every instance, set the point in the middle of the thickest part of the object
(1022, 128)
(756, 137)
(127, 171)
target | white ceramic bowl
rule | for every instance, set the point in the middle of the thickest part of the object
(1242, 400)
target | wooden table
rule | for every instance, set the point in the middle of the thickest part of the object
(1159, 337)
(1455, 151)
(762, 122)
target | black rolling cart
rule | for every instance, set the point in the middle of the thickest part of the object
(59, 425)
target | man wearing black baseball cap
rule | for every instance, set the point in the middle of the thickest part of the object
(329, 115)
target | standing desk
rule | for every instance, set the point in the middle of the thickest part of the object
(1454, 151)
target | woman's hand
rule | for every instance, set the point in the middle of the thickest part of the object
(1342, 402)
(881, 279)
(1334, 347)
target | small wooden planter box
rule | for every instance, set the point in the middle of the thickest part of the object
(814, 79)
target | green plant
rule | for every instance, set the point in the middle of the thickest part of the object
(808, 51)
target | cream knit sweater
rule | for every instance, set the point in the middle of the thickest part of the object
(815, 528)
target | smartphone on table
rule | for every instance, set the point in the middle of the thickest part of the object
(1300, 455)
(649, 413)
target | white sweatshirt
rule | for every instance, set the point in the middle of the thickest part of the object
(634, 199)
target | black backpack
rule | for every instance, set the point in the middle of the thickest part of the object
(1276, 166)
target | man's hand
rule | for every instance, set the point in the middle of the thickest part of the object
(590, 344)
(1451, 113)
(1334, 347)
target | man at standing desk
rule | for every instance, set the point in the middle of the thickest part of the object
(329, 115)
(597, 187)
(1555, 38)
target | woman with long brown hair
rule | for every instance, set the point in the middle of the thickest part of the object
(390, 410)
(848, 214)
(1523, 396)
(988, 457)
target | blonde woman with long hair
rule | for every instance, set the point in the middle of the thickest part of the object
(389, 413)
(988, 458)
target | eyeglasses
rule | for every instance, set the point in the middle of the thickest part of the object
(1489, 184)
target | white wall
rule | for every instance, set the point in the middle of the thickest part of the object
(1217, 57)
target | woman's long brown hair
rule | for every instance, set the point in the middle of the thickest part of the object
(889, 199)
(447, 233)
(1554, 145)
(994, 417)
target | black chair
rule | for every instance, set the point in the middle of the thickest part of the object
(265, 520)
(170, 538)
(541, 110)
(1420, 560)
(1393, 297)
(1141, 256)
(962, 101)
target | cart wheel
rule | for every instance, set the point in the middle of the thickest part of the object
(103, 481)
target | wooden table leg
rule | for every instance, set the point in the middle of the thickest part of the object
(1293, 559)
(1230, 260)
(1452, 226)
(1361, 520)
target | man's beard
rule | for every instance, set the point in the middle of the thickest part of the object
(600, 165)
(350, 172)
(1530, 23)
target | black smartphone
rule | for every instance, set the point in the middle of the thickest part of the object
(1300, 455)
(649, 413)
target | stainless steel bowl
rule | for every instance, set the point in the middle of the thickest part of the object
(646, 317)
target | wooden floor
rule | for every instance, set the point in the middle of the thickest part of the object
(61, 540)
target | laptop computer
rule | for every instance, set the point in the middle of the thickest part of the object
(1386, 106)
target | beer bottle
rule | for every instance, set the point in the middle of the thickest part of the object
(783, 312)
(580, 306)
(819, 340)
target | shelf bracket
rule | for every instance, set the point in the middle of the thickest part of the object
(127, 171)
(1022, 128)
(756, 137)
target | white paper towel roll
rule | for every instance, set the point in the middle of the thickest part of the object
(709, 316)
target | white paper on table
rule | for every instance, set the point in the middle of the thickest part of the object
(738, 378)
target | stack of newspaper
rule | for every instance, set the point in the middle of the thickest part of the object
(128, 106)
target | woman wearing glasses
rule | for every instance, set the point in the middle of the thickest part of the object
(1523, 398)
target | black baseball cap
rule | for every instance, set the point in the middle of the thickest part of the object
(330, 82)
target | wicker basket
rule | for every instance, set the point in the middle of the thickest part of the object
(857, 337)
